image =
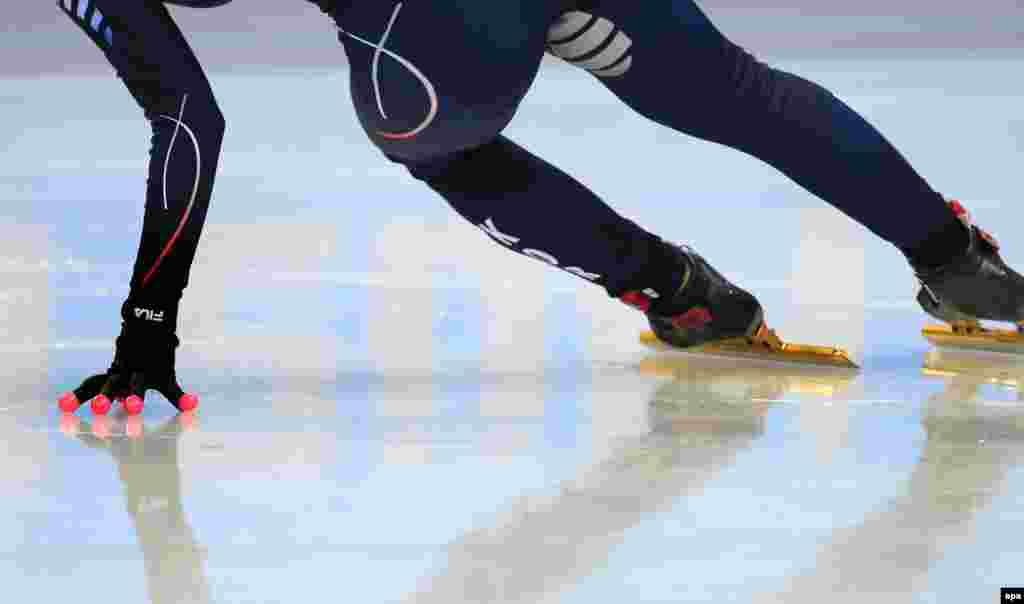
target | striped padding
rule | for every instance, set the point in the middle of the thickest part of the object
(593, 43)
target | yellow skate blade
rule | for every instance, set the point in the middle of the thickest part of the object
(972, 335)
(762, 347)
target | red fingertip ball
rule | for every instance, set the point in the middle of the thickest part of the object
(188, 402)
(68, 403)
(133, 404)
(100, 405)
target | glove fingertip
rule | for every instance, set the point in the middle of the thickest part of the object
(90, 387)
(100, 405)
(188, 402)
(133, 404)
(68, 402)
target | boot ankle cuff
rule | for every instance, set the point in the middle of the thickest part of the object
(943, 245)
(660, 278)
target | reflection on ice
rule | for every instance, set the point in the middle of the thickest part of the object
(970, 449)
(147, 465)
(698, 422)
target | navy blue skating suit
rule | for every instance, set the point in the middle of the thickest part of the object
(156, 64)
(435, 82)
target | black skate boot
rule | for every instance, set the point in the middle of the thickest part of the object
(977, 285)
(706, 307)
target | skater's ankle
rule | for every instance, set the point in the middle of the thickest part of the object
(665, 275)
(941, 246)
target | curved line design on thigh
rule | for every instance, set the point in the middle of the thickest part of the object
(375, 68)
(170, 148)
(188, 209)
(378, 50)
(593, 43)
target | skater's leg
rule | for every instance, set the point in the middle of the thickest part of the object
(719, 92)
(150, 55)
(532, 207)
(155, 62)
(442, 119)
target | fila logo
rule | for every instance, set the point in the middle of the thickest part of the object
(149, 315)
(509, 241)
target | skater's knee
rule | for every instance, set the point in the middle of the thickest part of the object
(444, 141)
(433, 168)
(196, 116)
(442, 135)
(757, 85)
(462, 165)
(209, 118)
(726, 75)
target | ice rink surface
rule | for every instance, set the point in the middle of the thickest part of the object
(397, 410)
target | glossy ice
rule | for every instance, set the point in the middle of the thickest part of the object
(396, 410)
